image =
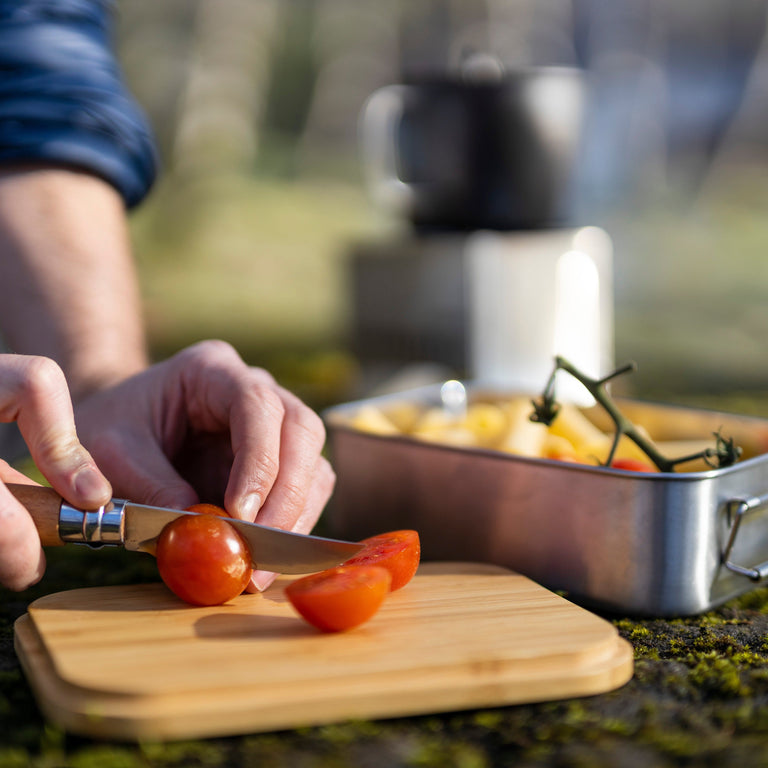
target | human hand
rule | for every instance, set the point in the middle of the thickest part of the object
(204, 426)
(34, 393)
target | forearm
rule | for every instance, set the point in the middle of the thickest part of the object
(68, 284)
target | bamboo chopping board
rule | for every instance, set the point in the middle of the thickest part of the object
(134, 662)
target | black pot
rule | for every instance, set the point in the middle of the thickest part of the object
(457, 153)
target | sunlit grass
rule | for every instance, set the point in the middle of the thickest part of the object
(258, 262)
(262, 262)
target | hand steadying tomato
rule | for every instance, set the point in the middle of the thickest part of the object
(397, 551)
(340, 598)
(202, 558)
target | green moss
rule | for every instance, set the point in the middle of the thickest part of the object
(675, 743)
(14, 757)
(438, 754)
(181, 753)
(115, 757)
(617, 726)
(644, 651)
(677, 646)
(488, 719)
(756, 600)
(719, 676)
(747, 658)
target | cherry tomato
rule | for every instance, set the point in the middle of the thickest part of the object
(208, 509)
(569, 457)
(397, 551)
(634, 465)
(203, 560)
(340, 598)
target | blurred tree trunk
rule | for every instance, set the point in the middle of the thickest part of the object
(356, 52)
(227, 78)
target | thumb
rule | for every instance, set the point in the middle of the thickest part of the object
(34, 393)
(22, 561)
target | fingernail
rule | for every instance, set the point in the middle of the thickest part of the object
(250, 506)
(90, 484)
(262, 579)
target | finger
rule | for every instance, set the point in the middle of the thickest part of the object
(34, 393)
(223, 395)
(302, 436)
(320, 491)
(22, 561)
(257, 428)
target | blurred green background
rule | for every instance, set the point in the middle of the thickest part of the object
(248, 234)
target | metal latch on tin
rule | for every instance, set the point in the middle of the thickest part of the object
(737, 510)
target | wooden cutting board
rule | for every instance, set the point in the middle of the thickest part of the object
(134, 662)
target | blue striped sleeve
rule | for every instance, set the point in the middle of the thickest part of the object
(62, 95)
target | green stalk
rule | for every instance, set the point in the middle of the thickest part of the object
(723, 454)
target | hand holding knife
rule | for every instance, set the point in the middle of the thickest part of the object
(137, 526)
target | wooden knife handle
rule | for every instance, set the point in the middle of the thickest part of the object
(43, 504)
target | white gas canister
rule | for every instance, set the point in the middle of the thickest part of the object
(536, 294)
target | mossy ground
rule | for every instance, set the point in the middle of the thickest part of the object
(699, 697)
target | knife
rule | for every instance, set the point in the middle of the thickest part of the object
(137, 526)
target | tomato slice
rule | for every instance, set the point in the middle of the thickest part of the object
(203, 559)
(339, 598)
(397, 551)
(634, 465)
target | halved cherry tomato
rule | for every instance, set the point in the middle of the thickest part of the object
(203, 559)
(634, 465)
(340, 598)
(397, 551)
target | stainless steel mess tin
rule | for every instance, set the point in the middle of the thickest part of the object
(654, 544)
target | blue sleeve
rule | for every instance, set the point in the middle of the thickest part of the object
(62, 96)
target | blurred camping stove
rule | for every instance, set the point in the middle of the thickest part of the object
(488, 305)
(492, 278)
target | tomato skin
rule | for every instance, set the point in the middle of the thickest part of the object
(340, 598)
(203, 560)
(568, 457)
(634, 465)
(208, 509)
(397, 551)
(205, 508)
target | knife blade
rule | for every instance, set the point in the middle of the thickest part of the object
(137, 527)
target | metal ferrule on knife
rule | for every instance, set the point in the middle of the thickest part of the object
(96, 528)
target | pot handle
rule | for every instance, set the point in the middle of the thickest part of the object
(737, 509)
(380, 122)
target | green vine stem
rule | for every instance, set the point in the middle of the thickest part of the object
(546, 409)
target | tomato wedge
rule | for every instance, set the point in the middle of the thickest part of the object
(397, 551)
(202, 559)
(340, 598)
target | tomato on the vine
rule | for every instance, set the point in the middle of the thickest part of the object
(397, 551)
(634, 465)
(340, 598)
(203, 559)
